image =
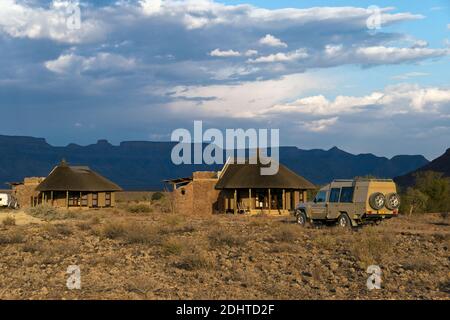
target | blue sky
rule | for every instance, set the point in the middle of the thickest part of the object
(138, 69)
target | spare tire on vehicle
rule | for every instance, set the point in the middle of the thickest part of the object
(392, 201)
(377, 201)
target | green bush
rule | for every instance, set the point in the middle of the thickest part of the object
(431, 193)
(157, 196)
(139, 208)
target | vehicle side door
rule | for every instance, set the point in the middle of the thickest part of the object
(319, 206)
(333, 203)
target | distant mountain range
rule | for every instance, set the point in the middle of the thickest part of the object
(441, 164)
(144, 165)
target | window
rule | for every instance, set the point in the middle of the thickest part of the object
(321, 197)
(347, 194)
(95, 200)
(108, 199)
(84, 200)
(74, 199)
(334, 194)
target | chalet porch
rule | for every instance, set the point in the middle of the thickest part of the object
(256, 201)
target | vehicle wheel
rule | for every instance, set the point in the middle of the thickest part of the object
(377, 201)
(344, 221)
(301, 218)
(392, 201)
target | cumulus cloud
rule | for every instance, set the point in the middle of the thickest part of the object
(19, 20)
(270, 40)
(281, 57)
(382, 54)
(226, 53)
(398, 99)
(73, 64)
(319, 125)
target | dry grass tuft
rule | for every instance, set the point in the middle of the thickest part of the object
(220, 237)
(113, 230)
(173, 246)
(9, 221)
(371, 247)
(12, 237)
(139, 208)
(195, 260)
(285, 233)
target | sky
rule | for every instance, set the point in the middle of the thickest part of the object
(365, 76)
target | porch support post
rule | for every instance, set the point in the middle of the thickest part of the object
(284, 199)
(51, 195)
(81, 195)
(235, 201)
(250, 199)
(67, 199)
(270, 201)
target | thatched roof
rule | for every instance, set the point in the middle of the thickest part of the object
(238, 176)
(76, 178)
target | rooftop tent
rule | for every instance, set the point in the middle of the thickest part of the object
(76, 178)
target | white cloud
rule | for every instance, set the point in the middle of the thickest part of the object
(151, 6)
(74, 64)
(281, 57)
(251, 52)
(318, 125)
(227, 53)
(243, 100)
(332, 50)
(270, 40)
(409, 75)
(382, 54)
(19, 20)
(399, 99)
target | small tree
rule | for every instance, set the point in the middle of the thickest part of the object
(437, 188)
(414, 201)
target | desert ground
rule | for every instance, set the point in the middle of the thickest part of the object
(143, 251)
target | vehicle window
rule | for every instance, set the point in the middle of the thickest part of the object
(321, 196)
(347, 194)
(334, 195)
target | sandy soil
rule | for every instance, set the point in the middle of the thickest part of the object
(153, 255)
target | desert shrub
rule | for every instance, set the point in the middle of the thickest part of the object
(84, 226)
(220, 237)
(9, 221)
(172, 247)
(12, 238)
(113, 230)
(157, 196)
(94, 220)
(32, 247)
(140, 233)
(371, 247)
(139, 208)
(286, 233)
(418, 263)
(44, 212)
(326, 241)
(195, 260)
(56, 230)
(49, 213)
